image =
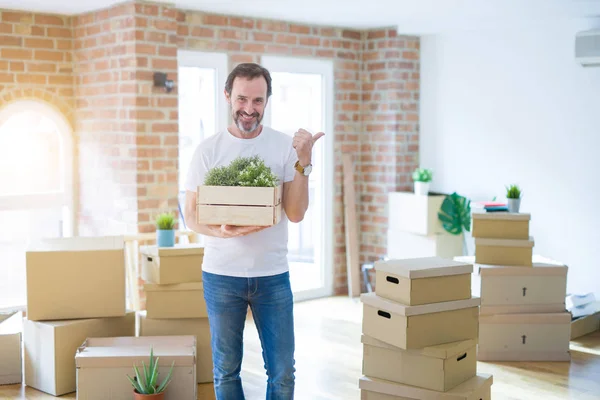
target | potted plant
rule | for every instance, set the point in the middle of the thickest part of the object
(146, 385)
(165, 232)
(513, 198)
(455, 216)
(422, 178)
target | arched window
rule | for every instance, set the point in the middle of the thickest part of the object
(36, 187)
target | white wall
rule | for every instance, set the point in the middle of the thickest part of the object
(513, 106)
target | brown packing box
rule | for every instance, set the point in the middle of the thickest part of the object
(198, 327)
(413, 213)
(167, 265)
(239, 205)
(181, 300)
(104, 363)
(88, 269)
(585, 325)
(507, 252)
(506, 289)
(416, 281)
(524, 337)
(11, 363)
(501, 225)
(478, 387)
(439, 368)
(415, 327)
(50, 346)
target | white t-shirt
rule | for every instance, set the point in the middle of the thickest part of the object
(261, 253)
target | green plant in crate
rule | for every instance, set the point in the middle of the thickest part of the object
(242, 171)
(146, 384)
(455, 215)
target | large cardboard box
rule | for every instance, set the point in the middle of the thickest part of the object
(11, 362)
(168, 265)
(541, 288)
(239, 205)
(412, 213)
(199, 327)
(477, 388)
(80, 277)
(50, 347)
(104, 363)
(507, 252)
(439, 368)
(524, 337)
(181, 300)
(501, 225)
(414, 327)
(402, 244)
(584, 325)
(424, 280)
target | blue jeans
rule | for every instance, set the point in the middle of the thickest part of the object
(271, 301)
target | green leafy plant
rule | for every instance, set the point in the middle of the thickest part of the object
(455, 214)
(147, 383)
(242, 171)
(513, 192)
(422, 175)
(165, 221)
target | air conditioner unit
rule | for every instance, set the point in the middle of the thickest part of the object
(587, 48)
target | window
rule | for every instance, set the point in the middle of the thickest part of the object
(36, 195)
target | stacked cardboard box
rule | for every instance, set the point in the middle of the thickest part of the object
(415, 229)
(420, 331)
(523, 315)
(11, 362)
(75, 289)
(175, 302)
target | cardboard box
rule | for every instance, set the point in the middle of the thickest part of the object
(414, 327)
(507, 252)
(501, 225)
(438, 368)
(411, 245)
(541, 288)
(50, 347)
(11, 362)
(584, 325)
(477, 388)
(104, 363)
(524, 337)
(199, 327)
(167, 265)
(239, 205)
(181, 300)
(424, 280)
(72, 278)
(412, 213)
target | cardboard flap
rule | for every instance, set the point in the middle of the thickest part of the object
(472, 389)
(155, 287)
(501, 216)
(190, 249)
(530, 319)
(505, 242)
(78, 243)
(12, 325)
(442, 351)
(373, 300)
(423, 267)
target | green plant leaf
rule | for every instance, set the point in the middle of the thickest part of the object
(513, 192)
(242, 171)
(422, 175)
(135, 385)
(165, 221)
(143, 385)
(167, 380)
(455, 214)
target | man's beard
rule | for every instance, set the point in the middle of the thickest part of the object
(247, 126)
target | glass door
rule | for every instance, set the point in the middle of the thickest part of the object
(302, 98)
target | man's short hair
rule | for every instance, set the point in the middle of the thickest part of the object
(249, 71)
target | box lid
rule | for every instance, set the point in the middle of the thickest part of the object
(186, 249)
(442, 351)
(423, 267)
(541, 266)
(155, 287)
(472, 389)
(373, 300)
(78, 243)
(501, 216)
(531, 319)
(126, 351)
(504, 242)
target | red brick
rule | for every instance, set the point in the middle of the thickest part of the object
(301, 29)
(39, 43)
(216, 20)
(263, 37)
(164, 63)
(198, 31)
(286, 39)
(6, 28)
(241, 22)
(16, 54)
(11, 41)
(17, 66)
(20, 17)
(49, 20)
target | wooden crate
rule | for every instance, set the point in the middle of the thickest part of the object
(239, 205)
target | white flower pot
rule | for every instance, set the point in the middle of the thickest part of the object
(422, 188)
(514, 205)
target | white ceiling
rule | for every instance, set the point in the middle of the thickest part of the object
(412, 16)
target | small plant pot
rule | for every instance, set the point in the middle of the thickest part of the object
(514, 205)
(165, 238)
(422, 188)
(156, 396)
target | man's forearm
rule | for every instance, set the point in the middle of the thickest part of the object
(297, 198)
